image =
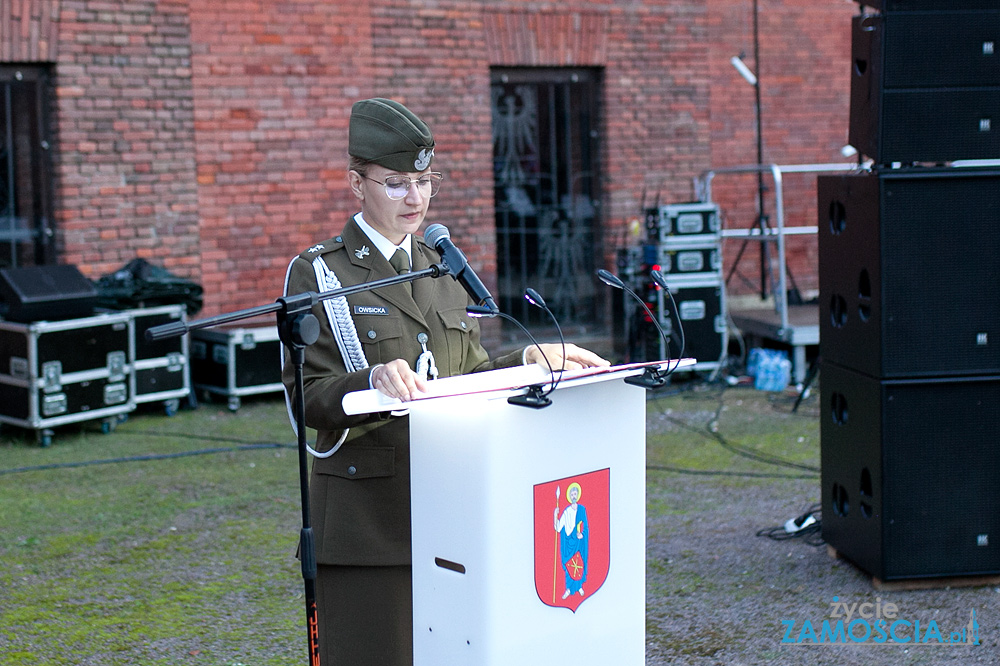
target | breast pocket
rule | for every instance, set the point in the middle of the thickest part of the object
(460, 331)
(381, 337)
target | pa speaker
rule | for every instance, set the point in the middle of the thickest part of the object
(911, 473)
(928, 5)
(909, 271)
(36, 293)
(926, 87)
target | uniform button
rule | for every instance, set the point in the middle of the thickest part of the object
(463, 324)
(352, 470)
(338, 239)
(371, 335)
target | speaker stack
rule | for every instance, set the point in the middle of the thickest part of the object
(909, 266)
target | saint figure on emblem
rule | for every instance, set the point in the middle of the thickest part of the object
(571, 561)
(574, 540)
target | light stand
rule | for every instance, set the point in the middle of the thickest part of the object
(762, 220)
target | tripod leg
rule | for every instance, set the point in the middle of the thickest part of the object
(810, 376)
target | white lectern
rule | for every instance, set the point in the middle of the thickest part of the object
(494, 583)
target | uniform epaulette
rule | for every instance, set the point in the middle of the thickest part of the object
(328, 245)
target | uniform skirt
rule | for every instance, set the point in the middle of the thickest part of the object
(365, 615)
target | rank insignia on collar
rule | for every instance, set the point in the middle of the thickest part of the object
(316, 248)
(362, 253)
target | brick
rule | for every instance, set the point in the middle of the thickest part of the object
(215, 132)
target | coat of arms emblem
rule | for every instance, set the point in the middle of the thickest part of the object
(572, 538)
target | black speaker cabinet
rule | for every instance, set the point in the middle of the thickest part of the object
(925, 87)
(46, 293)
(928, 5)
(909, 271)
(911, 473)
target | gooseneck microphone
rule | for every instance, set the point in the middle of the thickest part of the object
(661, 280)
(438, 237)
(536, 299)
(534, 398)
(652, 377)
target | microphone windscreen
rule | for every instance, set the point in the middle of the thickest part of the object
(610, 279)
(434, 233)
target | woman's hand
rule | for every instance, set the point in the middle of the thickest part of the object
(396, 380)
(576, 357)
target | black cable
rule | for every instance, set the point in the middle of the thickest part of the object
(206, 438)
(151, 456)
(719, 472)
(745, 452)
(689, 390)
(810, 534)
(779, 403)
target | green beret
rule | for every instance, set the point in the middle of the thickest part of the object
(385, 132)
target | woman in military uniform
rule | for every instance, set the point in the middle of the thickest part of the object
(360, 483)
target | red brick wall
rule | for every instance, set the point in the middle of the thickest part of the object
(804, 77)
(432, 58)
(656, 115)
(125, 136)
(211, 136)
(273, 85)
(30, 31)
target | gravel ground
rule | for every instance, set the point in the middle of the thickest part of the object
(719, 594)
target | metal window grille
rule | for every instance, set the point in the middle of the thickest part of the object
(547, 192)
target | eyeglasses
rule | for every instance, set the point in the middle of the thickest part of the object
(397, 187)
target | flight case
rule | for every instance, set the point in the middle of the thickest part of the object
(236, 362)
(162, 367)
(701, 312)
(60, 372)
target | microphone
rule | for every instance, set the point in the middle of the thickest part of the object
(536, 299)
(438, 237)
(534, 398)
(651, 377)
(660, 279)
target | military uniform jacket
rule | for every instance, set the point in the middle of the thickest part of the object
(360, 496)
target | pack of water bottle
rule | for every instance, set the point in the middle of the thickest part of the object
(770, 368)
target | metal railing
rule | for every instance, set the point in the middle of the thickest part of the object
(703, 190)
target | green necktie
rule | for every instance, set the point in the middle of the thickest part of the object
(401, 262)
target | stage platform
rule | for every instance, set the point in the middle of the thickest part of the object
(802, 331)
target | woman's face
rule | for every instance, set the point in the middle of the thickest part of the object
(394, 219)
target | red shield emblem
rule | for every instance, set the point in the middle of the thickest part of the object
(572, 538)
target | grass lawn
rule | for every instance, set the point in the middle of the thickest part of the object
(172, 540)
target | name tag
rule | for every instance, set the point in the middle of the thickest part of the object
(371, 310)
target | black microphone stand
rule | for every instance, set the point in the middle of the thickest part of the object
(298, 328)
(661, 282)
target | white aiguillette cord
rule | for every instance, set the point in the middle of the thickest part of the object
(338, 313)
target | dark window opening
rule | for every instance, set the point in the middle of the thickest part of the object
(26, 235)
